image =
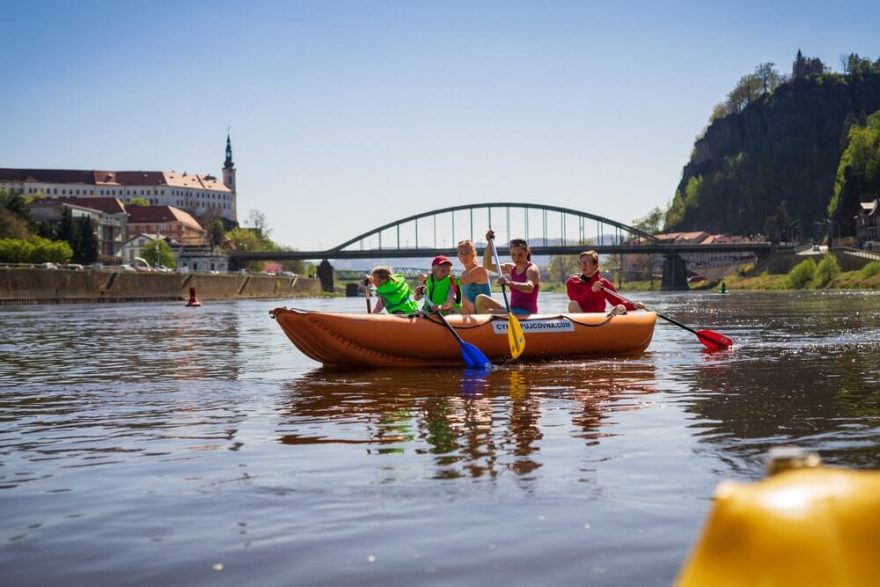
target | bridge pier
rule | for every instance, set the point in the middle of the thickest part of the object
(325, 274)
(674, 274)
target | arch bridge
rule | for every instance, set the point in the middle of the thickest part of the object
(549, 230)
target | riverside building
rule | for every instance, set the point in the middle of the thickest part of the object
(199, 194)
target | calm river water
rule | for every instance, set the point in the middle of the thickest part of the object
(155, 444)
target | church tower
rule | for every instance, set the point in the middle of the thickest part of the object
(229, 166)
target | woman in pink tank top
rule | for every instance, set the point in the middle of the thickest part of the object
(524, 280)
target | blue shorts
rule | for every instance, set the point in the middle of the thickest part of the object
(519, 311)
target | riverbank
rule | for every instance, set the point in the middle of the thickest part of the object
(58, 286)
(847, 280)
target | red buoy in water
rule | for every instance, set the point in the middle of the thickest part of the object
(193, 300)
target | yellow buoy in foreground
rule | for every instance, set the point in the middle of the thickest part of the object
(804, 525)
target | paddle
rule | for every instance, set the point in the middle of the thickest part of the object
(472, 356)
(515, 336)
(710, 339)
(367, 295)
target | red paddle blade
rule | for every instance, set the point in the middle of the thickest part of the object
(713, 340)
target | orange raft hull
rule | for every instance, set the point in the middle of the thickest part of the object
(382, 340)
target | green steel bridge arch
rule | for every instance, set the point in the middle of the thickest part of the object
(498, 214)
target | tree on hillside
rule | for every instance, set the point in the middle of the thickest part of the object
(858, 174)
(745, 92)
(855, 67)
(718, 112)
(768, 77)
(750, 87)
(782, 146)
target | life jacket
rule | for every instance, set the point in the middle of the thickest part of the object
(438, 291)
(397, 296)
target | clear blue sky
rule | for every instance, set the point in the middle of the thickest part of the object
(349, 115)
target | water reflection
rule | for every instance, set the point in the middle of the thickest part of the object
(472, 424)
(807, 376)
(119, 343)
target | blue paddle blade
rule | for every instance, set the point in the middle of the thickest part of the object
(475, 358)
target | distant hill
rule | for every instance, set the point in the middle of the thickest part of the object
(767, 163)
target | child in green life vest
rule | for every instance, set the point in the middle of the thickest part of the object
(395, 295)
(441, 291)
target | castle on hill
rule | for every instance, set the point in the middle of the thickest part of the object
(197, 194)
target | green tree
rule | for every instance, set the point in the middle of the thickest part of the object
(768, 77)
(15, 203)
(718, 112)
(802, 274)
(858, 173)
(15, 250)
(217, 233)
(12, 225)
(34, 250)
(870, 270)
(139, 202)
(159, 252)
(67, 229)
(826, 271)
(87, 248)
(244, 239)
(749, 88)
(257, 220)
(652, 223)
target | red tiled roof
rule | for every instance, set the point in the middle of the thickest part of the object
(47, 175)
(105, 205)
(122, 178)
(100, 177)
(158, 214)
(685, 237)
(189, 180)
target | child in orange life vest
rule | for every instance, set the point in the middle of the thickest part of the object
(440, 290)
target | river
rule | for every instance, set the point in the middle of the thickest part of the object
(147, 444)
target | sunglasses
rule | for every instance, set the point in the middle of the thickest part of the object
(518, 242)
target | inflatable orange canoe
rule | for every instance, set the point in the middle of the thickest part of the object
(383, 340)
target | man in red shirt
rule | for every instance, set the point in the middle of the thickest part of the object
(586, 293)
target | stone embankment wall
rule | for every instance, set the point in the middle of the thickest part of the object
(36, 285)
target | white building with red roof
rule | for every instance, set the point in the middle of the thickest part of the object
(199, 194)
(166, 221)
